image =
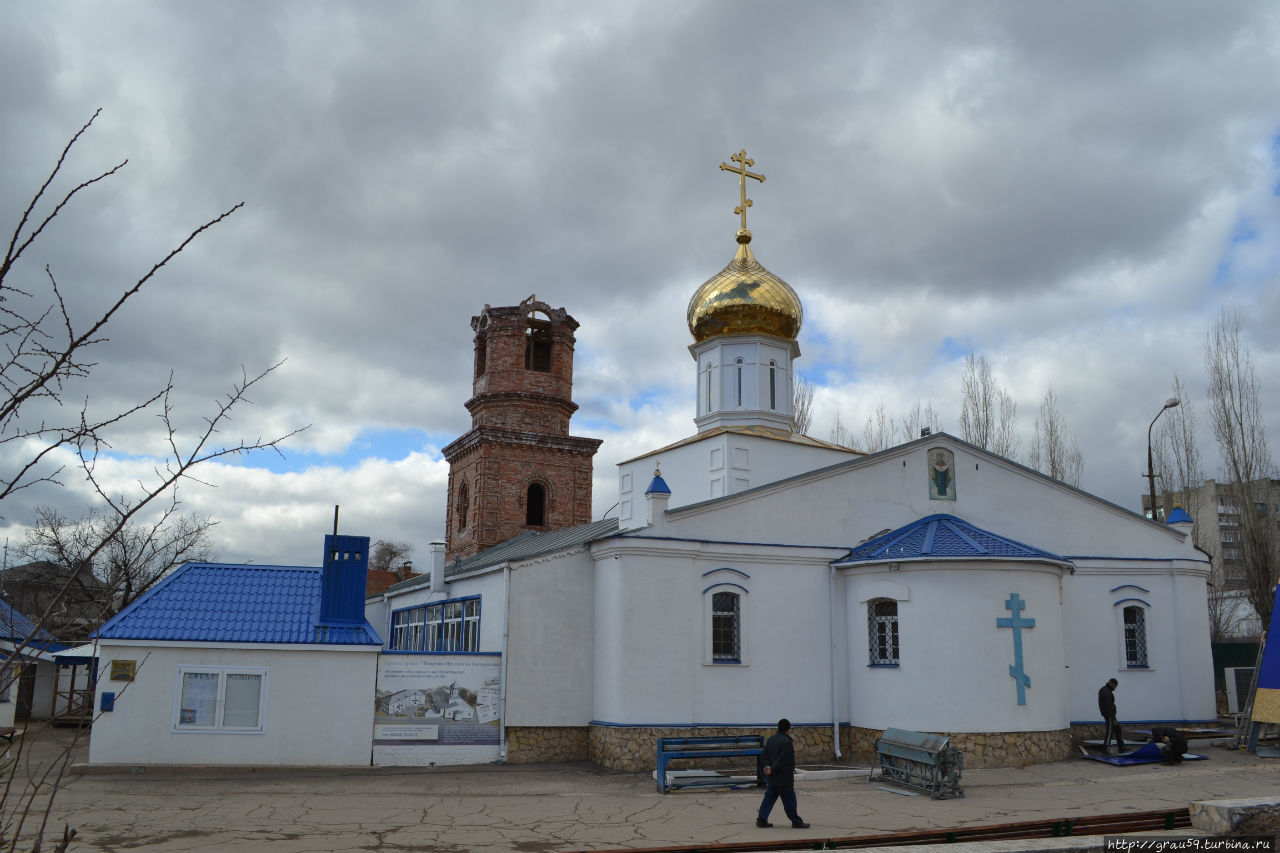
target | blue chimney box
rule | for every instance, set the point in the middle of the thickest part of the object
(342, 585)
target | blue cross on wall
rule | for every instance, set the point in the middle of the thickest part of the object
(1017, 623)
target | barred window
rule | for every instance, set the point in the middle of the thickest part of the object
(882, 631)
(726, 628)
(1135, 636)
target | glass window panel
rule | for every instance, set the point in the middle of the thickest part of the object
(242, 700)
(199, 703)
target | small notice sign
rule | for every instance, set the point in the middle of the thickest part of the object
(123, 670)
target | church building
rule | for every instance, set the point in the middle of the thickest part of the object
(751, 572)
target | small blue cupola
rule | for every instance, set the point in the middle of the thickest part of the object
(342, 585)
(1179, 516)
(658, 485)
(656, 497)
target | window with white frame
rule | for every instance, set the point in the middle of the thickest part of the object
(726, 627)
(1135, 636)
(882, 632)
(220, 699)
(445, 626)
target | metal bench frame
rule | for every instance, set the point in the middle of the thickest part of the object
(728, 746)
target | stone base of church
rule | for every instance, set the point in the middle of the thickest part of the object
(635, 748)
(982, 749)
(538, 744)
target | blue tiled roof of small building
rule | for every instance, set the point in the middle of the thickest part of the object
(943, 537)
(1178, 516)
(227, 603)
(16, 627)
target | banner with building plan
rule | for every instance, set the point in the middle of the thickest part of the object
(437, 708)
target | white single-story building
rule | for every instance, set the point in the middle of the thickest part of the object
(241, 664)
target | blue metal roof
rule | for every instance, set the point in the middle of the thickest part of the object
(16, 627)
(943, 537)
(228, 603)
(1178, 516)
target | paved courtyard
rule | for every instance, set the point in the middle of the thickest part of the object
(569, 807)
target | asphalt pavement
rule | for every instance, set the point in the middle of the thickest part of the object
(569, 807)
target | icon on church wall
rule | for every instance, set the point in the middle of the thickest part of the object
(942, 480)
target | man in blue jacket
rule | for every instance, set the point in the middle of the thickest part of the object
(779, 777)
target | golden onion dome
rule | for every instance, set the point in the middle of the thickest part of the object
(744, 299)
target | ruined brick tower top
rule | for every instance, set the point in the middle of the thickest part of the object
(518, 469)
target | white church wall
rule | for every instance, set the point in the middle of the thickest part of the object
(850, 503)
(549, 652)
(307, 689)
(1177, 683)
(652, 664)
(953, 674)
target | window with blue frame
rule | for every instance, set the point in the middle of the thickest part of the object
(882, 632)
(1135, 637)
(443, 626)
(726, 627)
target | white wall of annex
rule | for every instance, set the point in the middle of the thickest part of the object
(550, 647)
(953, 674)
(651, 665)
(311, 694)
(493, 601)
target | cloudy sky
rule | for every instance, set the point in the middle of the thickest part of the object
(1074, 190)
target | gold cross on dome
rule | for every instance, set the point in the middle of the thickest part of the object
(743, 162)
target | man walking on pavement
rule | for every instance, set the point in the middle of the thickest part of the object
(779, 777)
(1107, 707)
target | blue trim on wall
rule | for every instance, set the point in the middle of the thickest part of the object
(727, 569)
(1128, 559)
(1130, 586)
(883, 665)
(1212, 722)
(434, 603)
(772, 724)
(1127, 600)
(416, 652)
(726, 583)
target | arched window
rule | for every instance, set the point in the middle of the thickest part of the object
(726, 627)
(739, 366)
(537, 344)
(773, 386)
(535, 505)
(710, 405)
(482, 351)
(882, 632)
(1135, 636)
(464, 506)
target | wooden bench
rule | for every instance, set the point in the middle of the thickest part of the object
(729, 746)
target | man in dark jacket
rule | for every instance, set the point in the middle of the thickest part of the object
(779, 777)
(1107, 707)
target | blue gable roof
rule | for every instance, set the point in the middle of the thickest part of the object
(229, 603)
(16, 627)
(943, 537)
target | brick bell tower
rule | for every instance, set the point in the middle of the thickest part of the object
(518, 469)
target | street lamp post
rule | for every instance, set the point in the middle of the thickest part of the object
(1151, 470)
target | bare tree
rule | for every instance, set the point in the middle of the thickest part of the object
(988, 415)
(1235, 409)
(387, 555)
(841, 434)
(878, 433)
(1053, 446)
(802, 403)
(45, 357)
(135, 556)
(919, 419)
(1176, 454)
